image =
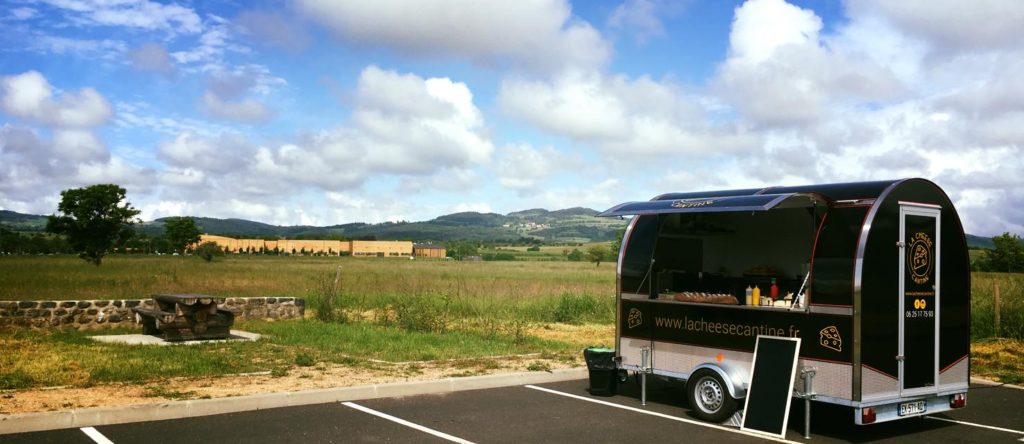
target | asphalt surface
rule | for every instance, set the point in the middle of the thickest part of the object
(558, 412)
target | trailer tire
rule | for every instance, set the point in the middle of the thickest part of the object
(623, 376)
(709, 396)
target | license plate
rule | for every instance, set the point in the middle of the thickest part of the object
(913, 408)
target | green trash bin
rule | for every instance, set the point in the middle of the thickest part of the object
(602, 369)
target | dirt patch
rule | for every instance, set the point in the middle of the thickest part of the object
(319, 376)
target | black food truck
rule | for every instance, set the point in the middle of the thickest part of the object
(873, 277)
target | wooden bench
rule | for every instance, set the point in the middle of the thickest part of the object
(185, 317)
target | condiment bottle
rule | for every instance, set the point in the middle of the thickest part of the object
(774, 291)
(756, 295)
(750, 295)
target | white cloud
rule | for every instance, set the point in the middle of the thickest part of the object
(23, 13)
(77, 145)
(226, 153)
(229, 94)
(522, 167)
(274, 29)
(152, 57)
(105, 49)
(30, 96)
(213, 45)
(34, 169)
(761, 27)
(781, 73)
(599, 194)
(142, 14)
(541, 34)
(638, 117)
(643, 18)
(415, 126)
(952, 25)
(245, 110)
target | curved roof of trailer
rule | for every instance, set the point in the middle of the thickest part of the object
(832, 191)
(754, 199)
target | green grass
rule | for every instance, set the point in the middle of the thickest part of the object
(1011, 289)
(137, 277)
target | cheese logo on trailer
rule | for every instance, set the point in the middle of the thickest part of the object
(829, 338)
(919, 258)
(635, 318)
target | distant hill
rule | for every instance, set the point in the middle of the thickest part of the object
(979, 242)
(566, 225)
(22, 222)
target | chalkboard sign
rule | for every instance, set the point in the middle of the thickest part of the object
(771, 385)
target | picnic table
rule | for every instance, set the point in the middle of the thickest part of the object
(184, 317)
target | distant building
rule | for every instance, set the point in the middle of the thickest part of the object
(380, 248)
(429, 251)
(328, 247)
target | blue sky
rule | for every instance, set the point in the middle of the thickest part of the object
(325, 112)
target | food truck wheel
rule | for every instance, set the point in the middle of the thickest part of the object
(623, 376)
(709, 398)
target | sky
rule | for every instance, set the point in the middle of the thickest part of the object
(323, 112)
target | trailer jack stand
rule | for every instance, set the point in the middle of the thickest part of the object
(807, 374)
(645, 354)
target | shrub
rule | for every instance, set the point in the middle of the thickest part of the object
(208, 250)
(304, 360)
(327, 301)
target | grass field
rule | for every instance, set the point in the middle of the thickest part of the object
(387, 309)
(66, 277)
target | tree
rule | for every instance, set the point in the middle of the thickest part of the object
(617, 244)
(208, 250)
(596, 254)
(181, 232)
(461, 249)
(1008, 255)
(575, 255)
(93, 219)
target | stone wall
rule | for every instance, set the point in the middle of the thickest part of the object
(88, 315)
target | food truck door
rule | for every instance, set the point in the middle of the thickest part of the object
(919, 298)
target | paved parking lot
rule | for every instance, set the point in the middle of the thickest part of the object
(557, 412)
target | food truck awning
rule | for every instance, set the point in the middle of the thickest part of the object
(757, 202)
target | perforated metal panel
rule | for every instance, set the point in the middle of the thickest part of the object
(876, 385)
(957, 375)
(630, 350)
(830, 378)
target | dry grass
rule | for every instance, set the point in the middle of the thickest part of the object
(998, 359)
(137, 277)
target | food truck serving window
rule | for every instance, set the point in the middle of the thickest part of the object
(711, 250)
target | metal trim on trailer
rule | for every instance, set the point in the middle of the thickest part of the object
(934, 212)
(858, 276)
(618, 284)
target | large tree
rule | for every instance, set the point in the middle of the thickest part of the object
(1008, 255)
(181, 232)
(93, 218)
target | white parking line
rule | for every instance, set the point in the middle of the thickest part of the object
(660, 415)
(1019, 432)
(96, 435)
(407, 423)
